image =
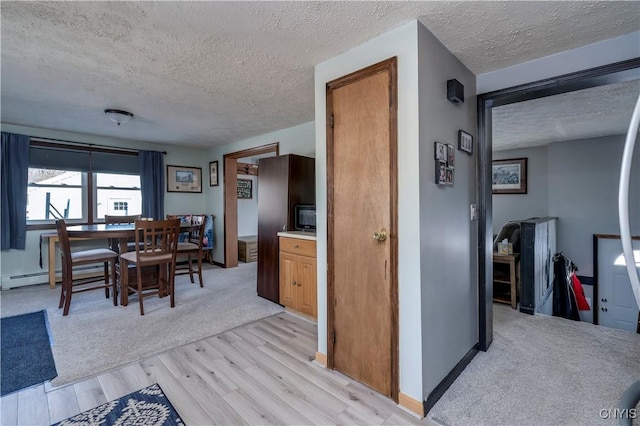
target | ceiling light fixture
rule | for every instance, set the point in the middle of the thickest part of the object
(118, 116)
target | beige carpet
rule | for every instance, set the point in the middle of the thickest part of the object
(96, 336)
(542, 370)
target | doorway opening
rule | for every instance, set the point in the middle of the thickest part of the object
(230, 173)
(600, 76)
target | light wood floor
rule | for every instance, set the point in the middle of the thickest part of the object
(260, 373)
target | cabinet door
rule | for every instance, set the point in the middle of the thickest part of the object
(307, 294)
(288, 287)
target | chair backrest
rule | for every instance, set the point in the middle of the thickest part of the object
(121, 219)
(197, 235)
(156, 237)
(63, 237)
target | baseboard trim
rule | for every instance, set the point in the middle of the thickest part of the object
(411, 404)
(442, 387)
(321, 358)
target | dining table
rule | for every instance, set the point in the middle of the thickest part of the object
(122, 233)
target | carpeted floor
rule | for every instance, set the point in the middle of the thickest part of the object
(542, 370)
(97, 336)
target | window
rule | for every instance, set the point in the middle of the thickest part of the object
(80, 184)
(54, 194)
(117, 195)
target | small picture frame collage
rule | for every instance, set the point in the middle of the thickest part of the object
(444, 155)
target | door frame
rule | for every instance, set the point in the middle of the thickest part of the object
(389, 65)
(230, 197)
(593, 77)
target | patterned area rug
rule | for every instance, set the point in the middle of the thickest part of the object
(148, 406)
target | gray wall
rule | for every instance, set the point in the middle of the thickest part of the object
(581, 190)
(534, 203)
(583, 194)
(448, 238)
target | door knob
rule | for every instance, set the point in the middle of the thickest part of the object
(294, 283)
(381, 235)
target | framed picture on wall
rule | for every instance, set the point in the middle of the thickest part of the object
(184, 179)
(509, 176)
(440, 151)
(213, 173)
(465, 142)
(245, 189)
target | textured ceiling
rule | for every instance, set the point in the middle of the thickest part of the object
(205, 73)
(588, 113)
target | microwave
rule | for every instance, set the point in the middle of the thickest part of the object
(305, 218)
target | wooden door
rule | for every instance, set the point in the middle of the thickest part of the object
(362, 193)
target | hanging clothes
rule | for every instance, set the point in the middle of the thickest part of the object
(564, 298)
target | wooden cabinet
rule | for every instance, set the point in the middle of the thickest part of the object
(298, 275)
(283, 182)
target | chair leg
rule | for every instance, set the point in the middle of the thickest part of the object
(200, 269)
(139, 276)
(124, 282)
(106, 279)
(62, 286)
(189, 261)
(114, 285)
(172, 280)
(68, 283)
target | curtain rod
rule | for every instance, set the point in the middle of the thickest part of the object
(115, 148)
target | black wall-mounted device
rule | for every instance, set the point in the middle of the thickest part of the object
(455, 91)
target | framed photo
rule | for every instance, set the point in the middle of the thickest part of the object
(509, 176)
(245, 189)
(440, 151)
(449, 176)
(441, 172)
(451, 156)
(213, 173)
(184, 179)
(465, 142)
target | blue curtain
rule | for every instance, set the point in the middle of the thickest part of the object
(152, 183)
(15, 176)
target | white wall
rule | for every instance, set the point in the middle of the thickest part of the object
(19, 262)
(298, 139)
(448, 237)
(534, 203)
(582, 180)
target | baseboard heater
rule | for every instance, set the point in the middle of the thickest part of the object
(34, 278)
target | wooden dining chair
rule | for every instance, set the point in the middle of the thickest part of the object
(84, 257)
(192, 247)
(156, 245)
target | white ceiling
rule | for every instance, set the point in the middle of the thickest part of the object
(589, 113)
(205, 73)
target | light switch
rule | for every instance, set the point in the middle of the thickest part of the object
(473, 211)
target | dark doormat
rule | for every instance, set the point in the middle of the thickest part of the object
(25, 352)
